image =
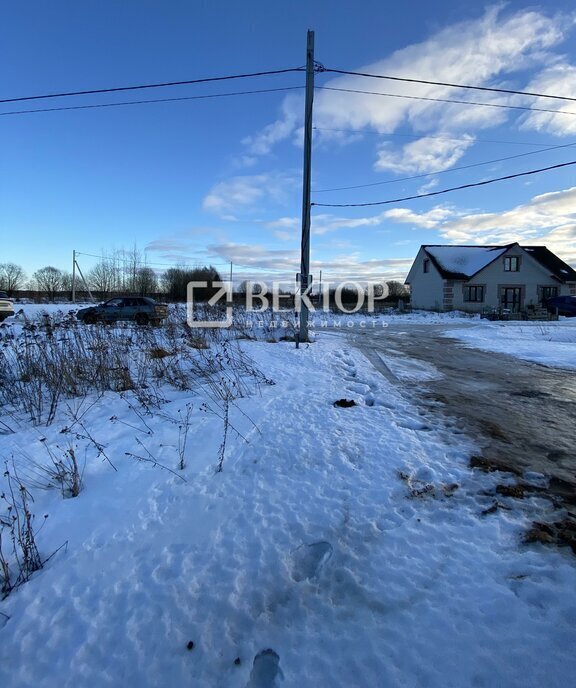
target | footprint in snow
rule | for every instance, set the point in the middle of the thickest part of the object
(308, 560)
(265, 670)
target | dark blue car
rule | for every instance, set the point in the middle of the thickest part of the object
(564, 305)
(141, 309)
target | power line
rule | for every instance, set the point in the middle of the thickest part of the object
(444, 138)
(450, 169)
(189, 264)
(451, 85)
(153, 100)
(446, 100)
(145, 264)
(159, 85)
(443, 191)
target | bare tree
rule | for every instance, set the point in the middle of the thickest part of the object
(397, 291)
(103, 277)
(132, 262)
(146, 281)
(12, 277)
(66, 284)
(175, 282)
(50, 280)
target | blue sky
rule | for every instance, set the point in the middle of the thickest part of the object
(220, 180)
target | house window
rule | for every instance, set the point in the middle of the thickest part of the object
(547, 293)
(511, 264)
(474, 294)
(426, 265)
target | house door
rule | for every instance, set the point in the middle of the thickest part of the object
(511, 298)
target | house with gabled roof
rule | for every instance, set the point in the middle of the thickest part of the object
(477, 278)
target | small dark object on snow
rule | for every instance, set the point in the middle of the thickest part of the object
(490, 465)
(450, 489)
(516, 491)
(190, 645)
(237, 661)
(345, 403)
(490, 510)
(561, 533)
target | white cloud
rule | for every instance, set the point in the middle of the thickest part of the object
(422, 156)
(259, 262)
(289, 223)
(282, 128)
(253, 255)
(489, 50)
(234, 193)
(428, 186)
(229, 197)
(547, 219)
(244, 161)
(322, 223)
(428, 220)
(542, 215)
(560, 79)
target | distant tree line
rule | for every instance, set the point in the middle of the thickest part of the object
(110, 276)
(124, 272)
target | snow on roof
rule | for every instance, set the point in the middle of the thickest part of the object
(464, 260)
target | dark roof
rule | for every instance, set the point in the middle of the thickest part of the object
(470, 258)
(557, 267)
(475, 260)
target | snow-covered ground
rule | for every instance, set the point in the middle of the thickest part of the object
(350, 542)
(547, 343)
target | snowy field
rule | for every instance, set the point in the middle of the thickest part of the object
(548, 343)
(337, 547)
(35, 310)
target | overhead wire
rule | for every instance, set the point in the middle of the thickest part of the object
(450, 169)
(431, 136)
(445, 100)
(153, 100)
(188, 264)
(451, 85)
(326, 88)
(146, 264)
(443, 191)
(164, 84)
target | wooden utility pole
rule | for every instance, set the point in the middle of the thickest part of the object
(306, 181)
(73, 276)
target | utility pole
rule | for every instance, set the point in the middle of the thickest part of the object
(76, 266)
(305, 245)
(73, 276)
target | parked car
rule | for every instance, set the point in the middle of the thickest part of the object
(566, 305)
(6, 306)
(141, 309)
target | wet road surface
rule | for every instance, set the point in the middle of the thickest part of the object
(523, 415)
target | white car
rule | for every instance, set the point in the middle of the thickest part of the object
(6, 306)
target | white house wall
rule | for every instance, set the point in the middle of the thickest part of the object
(426, 288)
